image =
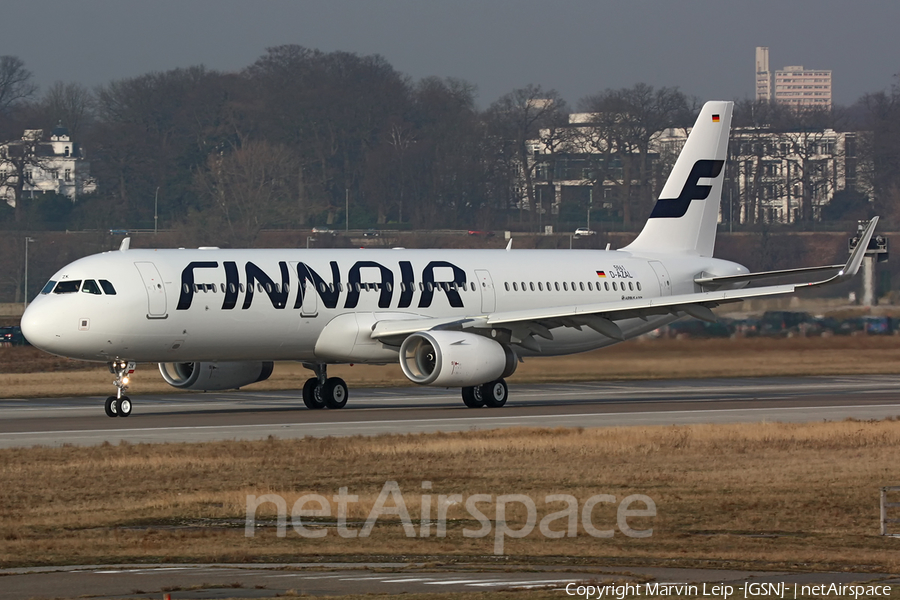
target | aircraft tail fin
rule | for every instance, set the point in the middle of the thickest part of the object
(685, 216)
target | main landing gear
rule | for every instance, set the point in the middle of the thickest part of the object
(322, 391)
(492, 394)
(120, 404)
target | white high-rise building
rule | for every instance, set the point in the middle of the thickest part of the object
(803, 88)
(763, 75)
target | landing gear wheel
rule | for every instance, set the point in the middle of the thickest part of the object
(124, 407)
(111, 406)
(472, 397)
(334, 392)
(311, 394)
(495, 393)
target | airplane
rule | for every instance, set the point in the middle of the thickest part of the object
(216, 319)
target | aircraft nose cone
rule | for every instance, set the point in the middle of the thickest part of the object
(38, 328)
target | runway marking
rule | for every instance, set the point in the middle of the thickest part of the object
(474, 420)
(458, 581)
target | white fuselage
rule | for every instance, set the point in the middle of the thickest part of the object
(238, 305)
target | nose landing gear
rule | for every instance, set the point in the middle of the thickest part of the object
(120, 404)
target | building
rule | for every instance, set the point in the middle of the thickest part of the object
(763, 75)
(790, 176)
(803, 88)
(770, 176)
(56, 165)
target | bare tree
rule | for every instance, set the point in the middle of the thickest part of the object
(517, 118)
(70, 104)
(15, 83)
(18, 162)
(622, 129)
(249, 188)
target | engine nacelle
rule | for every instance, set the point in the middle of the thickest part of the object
(212, 376)
(452, 358)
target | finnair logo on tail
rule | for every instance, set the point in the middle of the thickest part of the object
(674, 208)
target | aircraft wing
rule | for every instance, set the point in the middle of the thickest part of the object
(524, 325)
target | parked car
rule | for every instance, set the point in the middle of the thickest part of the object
(584, 231)
(372, 233)
(12, 335)
(484, 233)
(323, 230)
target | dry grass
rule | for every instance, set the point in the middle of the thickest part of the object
(755, 496)
(641, 359)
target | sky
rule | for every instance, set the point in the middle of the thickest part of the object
(577, 47)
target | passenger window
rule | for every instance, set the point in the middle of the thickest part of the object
(515, 286)
(590, 286)
(581, 285)
(615, 289)
(630, 286)
(557, 286)
(473, 286)
(531, 285)
(506, 285)
(639, 285)
(565, 286)
(606, 285)
(90, 287)
(67, 287)
(540, 286)
(49, 287)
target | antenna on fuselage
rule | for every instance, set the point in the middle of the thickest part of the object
(125, 245)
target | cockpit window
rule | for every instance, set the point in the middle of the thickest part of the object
(49, 287)
(90, 287)
(107, 287)
(67, 287)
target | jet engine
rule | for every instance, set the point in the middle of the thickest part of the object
(211, 376)
(451, 358)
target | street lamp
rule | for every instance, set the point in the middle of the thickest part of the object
(590, 203)
(156, 211)
(28, 240)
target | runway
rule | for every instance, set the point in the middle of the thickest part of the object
(249, 415)
(331, 579)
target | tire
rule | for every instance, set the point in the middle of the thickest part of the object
(334, 392)
(111, 406)
(472, 397)
(124, 406)
(495, 393)
(311, 396)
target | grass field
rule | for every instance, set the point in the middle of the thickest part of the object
(762, 496)
(28, 372)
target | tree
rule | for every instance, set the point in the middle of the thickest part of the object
(18, 160)
(15, 84)
(249, 188)
(624, 124)
(514, 120)
(69, 104)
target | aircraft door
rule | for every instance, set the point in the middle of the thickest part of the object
(156, 290)
(488, 299)
(309, 308)
(665, 283)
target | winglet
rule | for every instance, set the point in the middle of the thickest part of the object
(856, 256)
